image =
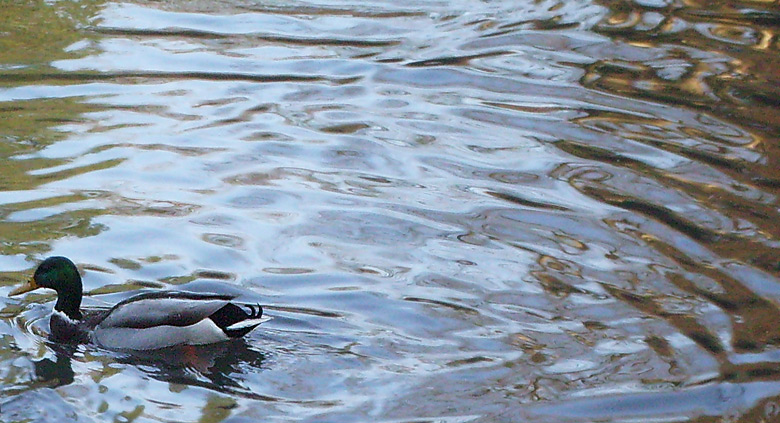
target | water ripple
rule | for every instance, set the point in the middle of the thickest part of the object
(453, 211)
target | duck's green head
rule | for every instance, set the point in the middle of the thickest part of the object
(61, 275)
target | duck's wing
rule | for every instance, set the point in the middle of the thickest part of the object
(163, 309)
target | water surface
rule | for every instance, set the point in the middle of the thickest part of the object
(455, 211)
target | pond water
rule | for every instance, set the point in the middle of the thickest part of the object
(454, 211)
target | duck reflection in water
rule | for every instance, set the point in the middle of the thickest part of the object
(59, 372)
(219, 367)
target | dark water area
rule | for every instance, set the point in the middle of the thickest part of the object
(508, 211)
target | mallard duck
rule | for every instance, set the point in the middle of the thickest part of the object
(145, 321)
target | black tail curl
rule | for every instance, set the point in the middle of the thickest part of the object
(231, 314)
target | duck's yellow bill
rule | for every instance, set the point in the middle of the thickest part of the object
(30, 285)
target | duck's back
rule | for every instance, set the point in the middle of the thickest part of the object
(165, 308)
(162, 319)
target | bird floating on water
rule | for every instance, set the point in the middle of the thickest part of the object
(145, 321)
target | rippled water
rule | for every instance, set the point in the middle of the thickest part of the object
(455, 211)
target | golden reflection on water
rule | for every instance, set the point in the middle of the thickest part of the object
(34, 33)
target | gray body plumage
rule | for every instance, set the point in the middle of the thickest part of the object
(162, 319)
(155, 309)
